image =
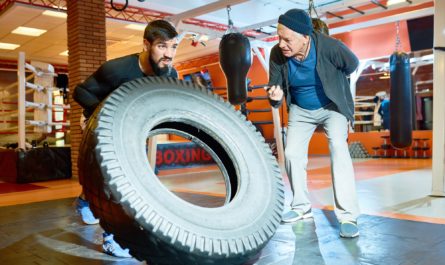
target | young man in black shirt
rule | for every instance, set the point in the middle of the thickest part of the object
(160, 44)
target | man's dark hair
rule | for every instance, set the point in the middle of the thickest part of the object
(159, 29)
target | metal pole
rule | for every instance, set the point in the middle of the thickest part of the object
(21, 78)
(438, 182)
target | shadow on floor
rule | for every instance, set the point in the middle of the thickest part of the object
(50, 233)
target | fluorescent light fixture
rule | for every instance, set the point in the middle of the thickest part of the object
(65, 53)
(54, 14)
(394, 2)
(8, 46)
(203, 38)
(29, 31)
(140, 27)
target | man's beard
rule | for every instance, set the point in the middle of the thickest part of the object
(160, 71)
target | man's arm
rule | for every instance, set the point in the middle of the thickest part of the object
(275, 76)
(344, 58)
(83, 95)
(96, 87)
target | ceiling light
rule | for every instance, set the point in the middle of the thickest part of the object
(140, 27)
(8, 46)
(204, 38)
(58, 7)
(65, 53)
(29, 31)
(54, 14)
(394, 2)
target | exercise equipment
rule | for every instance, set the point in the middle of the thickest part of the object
(32, 103)
(143, 215)
(32, 100)
(401, 104)
(235, 59)
(401, 99)
(320, 26)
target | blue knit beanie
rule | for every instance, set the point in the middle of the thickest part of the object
(297, 20)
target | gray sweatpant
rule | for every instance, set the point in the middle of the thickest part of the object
(301, 126)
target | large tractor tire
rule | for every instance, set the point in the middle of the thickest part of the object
(144, 216)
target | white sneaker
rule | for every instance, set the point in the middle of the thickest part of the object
(112, 248)
(296, 215)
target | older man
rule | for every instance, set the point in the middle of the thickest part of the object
(310, 70)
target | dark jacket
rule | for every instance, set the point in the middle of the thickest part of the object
(334, 63)
(109, 76)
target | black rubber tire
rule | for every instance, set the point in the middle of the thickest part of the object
(144, 216)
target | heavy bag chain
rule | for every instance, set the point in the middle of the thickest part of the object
(312, 8)
(318, 24)
(230, 28)
(398, 42)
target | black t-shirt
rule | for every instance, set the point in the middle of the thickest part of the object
(106, 79)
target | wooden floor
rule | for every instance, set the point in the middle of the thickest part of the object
(400, 222)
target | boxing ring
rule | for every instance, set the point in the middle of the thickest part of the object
(32, 106)
(33, 126)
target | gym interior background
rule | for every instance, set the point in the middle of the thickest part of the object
(400, 191)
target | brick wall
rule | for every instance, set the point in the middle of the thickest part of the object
(87, 51)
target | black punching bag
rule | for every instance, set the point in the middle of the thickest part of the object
(320, 26)
(235, 59)
(401, 101)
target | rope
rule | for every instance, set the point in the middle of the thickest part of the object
(44, 123)
(31, 76)
(14, 112)
(15, 128)
(28, 91)
(10, 113)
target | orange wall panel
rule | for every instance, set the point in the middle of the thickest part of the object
(376, 41)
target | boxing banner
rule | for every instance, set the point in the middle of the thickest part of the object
(177, 155)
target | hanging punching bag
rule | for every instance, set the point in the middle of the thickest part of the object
(320, 26)
(401, 102)
(235, 59)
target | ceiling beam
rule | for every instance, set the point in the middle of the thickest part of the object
(345, 5)
(374, 10)
(340, 5)
(384, 20)
(211, 33)
(202, 10)
(259, 25)
(337, 5)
